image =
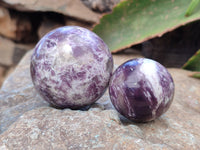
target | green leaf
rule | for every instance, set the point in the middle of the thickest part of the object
(135, 21)
(192, 6)
(193, 63)
(196, 75)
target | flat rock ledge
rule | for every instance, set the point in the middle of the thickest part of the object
(28, 122)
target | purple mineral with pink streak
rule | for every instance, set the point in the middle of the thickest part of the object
(71, 67)
(141, 89)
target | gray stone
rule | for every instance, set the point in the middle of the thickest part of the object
(5, 72)
(70, 8)
(27, 122)
(13, 100)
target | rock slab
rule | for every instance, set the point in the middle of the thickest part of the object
(28, 122)
(70, 8)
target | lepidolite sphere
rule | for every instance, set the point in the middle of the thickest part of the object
(71, 67)
(141, 89)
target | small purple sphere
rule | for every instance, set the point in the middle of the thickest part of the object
(141, 89)
(71, 67)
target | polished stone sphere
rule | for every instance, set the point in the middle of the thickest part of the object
(71, 67)
(141, 89)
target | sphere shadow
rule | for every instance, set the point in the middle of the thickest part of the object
(84, 108)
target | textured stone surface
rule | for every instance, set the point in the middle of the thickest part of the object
(100, 5)
(11, 53)
(2, 74)
(70, 8)
(34, 125)
(16, 26)
(71, 67)
(141, 89)
(7, 25)
(17, 95)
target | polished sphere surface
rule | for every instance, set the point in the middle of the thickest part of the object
(71, 67)
(141, 89)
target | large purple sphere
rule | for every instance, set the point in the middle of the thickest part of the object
(71, 67)
(141, 89)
